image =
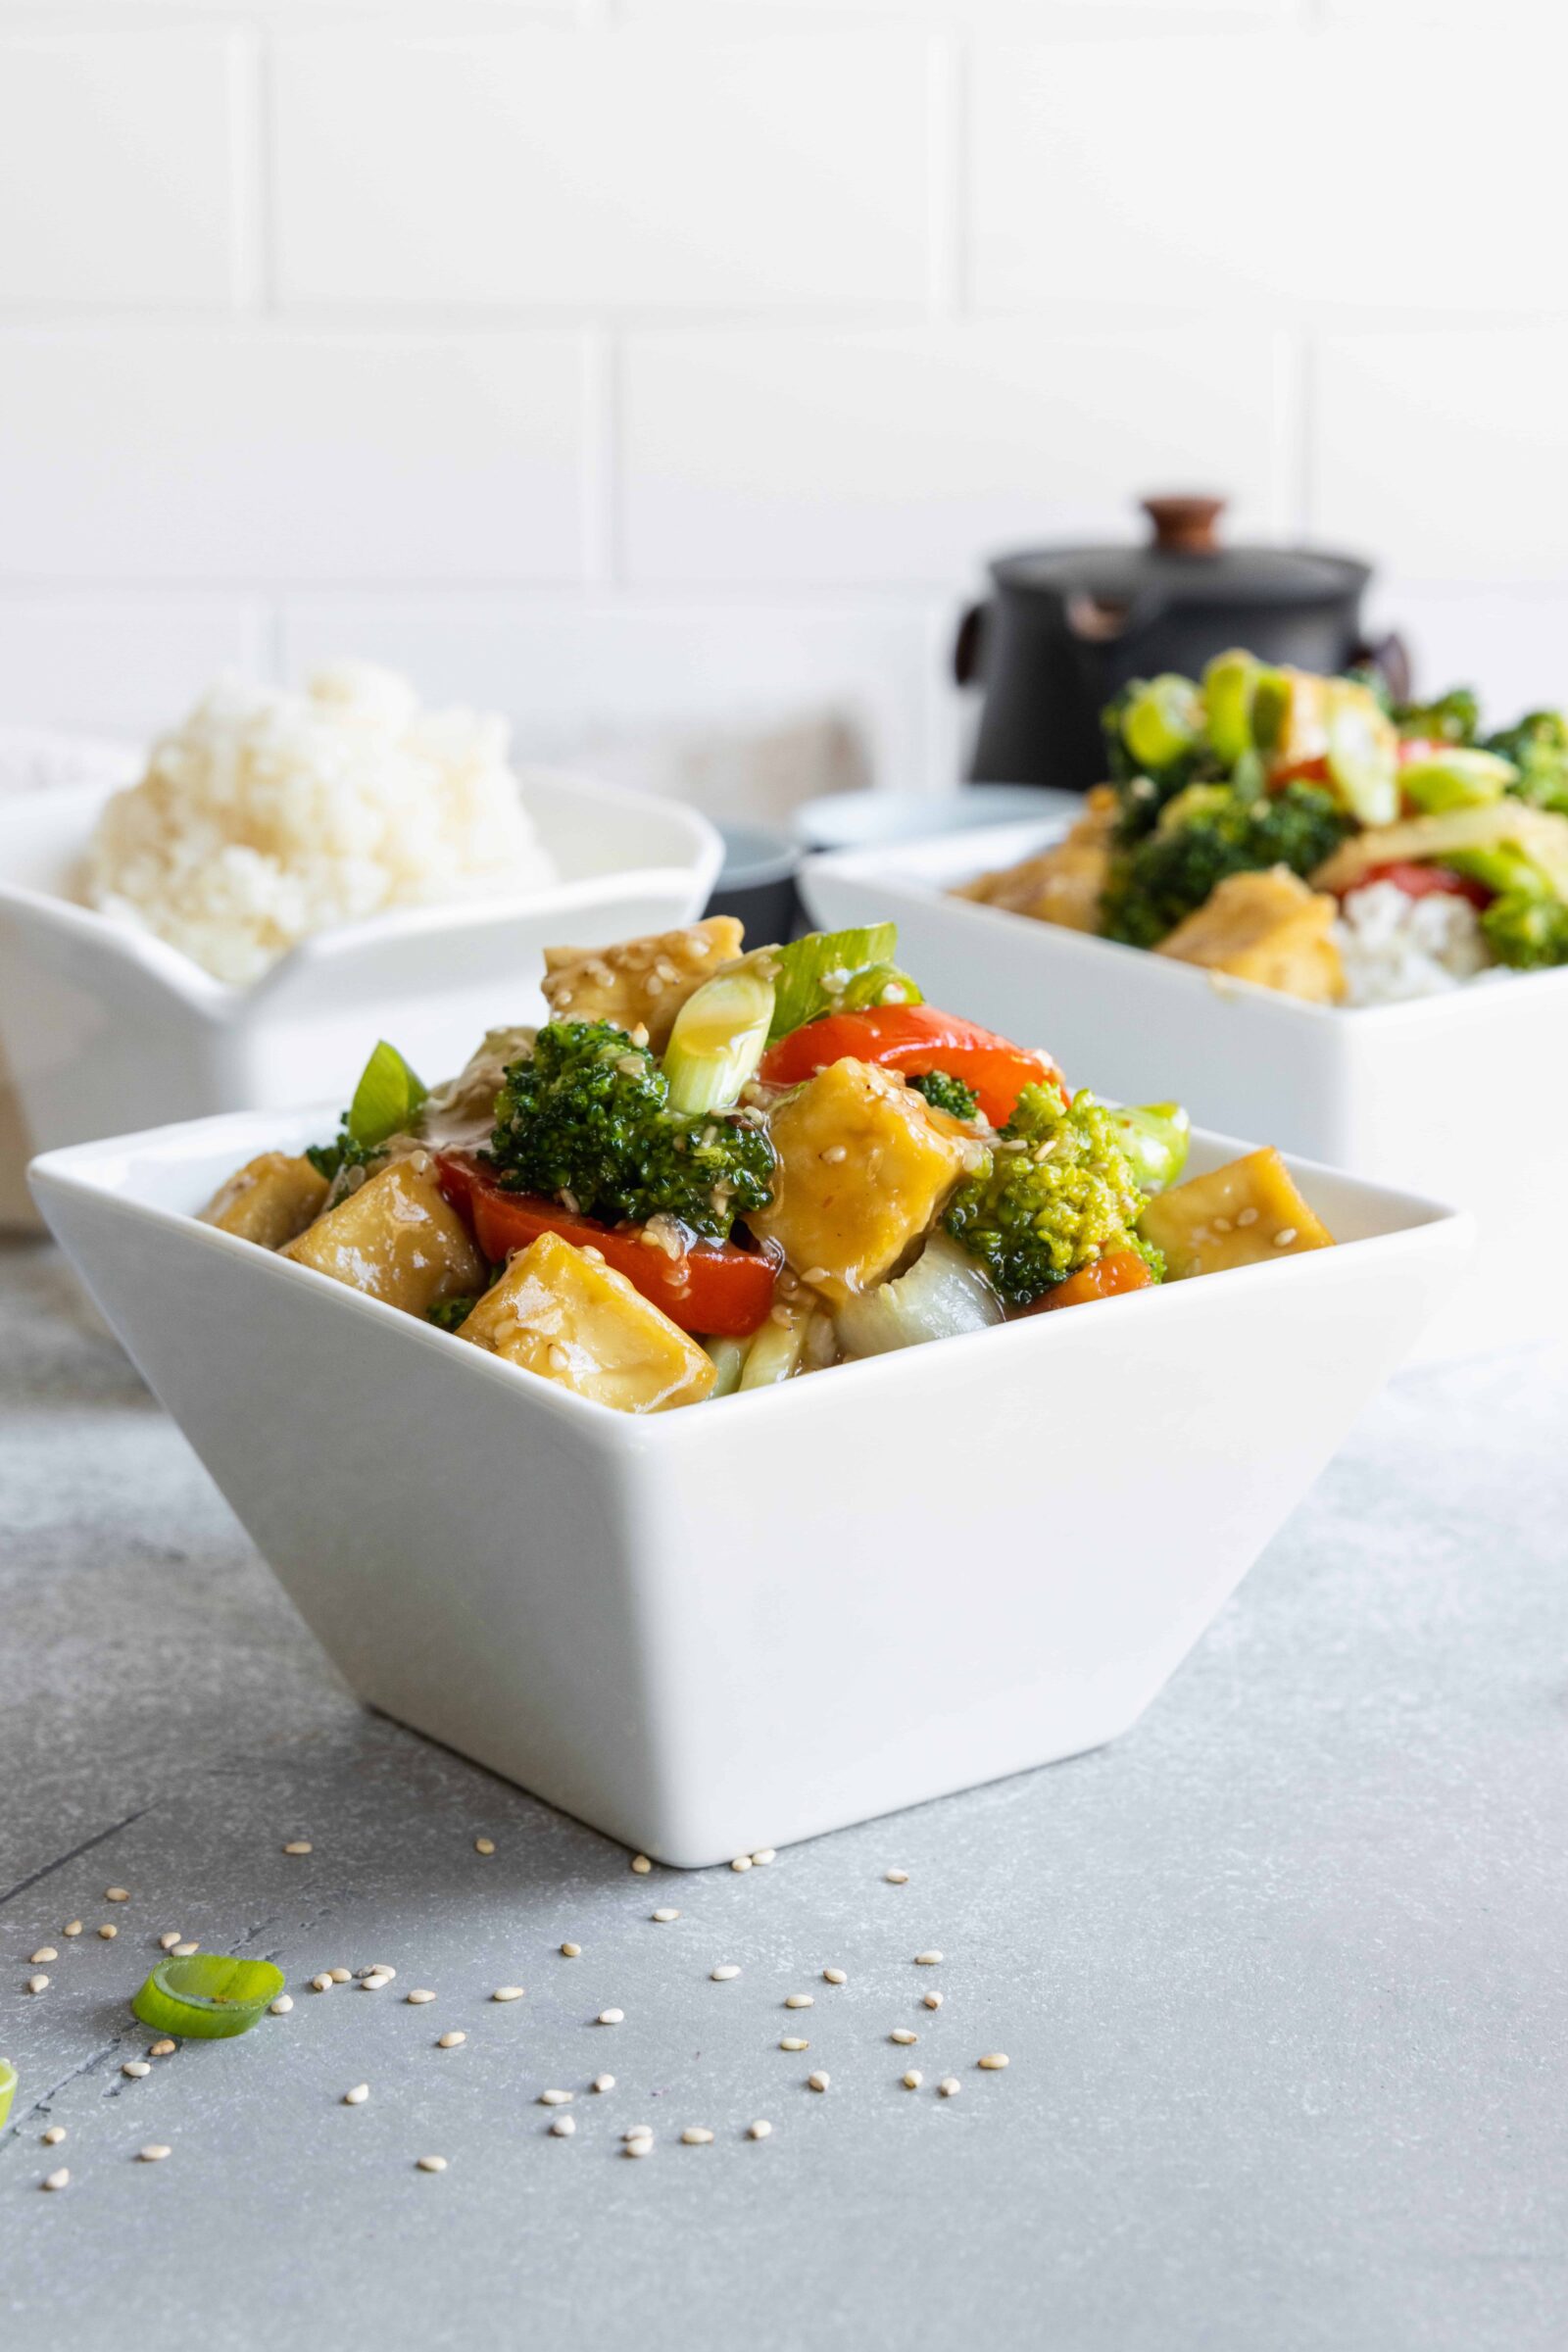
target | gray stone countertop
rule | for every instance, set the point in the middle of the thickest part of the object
(1283, 1974)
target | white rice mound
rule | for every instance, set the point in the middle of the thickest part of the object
(271, 814)
(1395, 948)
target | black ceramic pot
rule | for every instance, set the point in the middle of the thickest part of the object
(1064, 627)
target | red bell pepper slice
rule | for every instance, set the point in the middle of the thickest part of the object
(708, 1287)
(1427, 881)
(914, 1039)
(1106, 1278)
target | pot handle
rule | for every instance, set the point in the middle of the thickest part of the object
(969, 645)
(1392, 656)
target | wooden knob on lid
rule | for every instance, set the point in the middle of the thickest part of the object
(1183, 525)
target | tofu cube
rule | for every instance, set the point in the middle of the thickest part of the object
(396, 1237)
(1266, 927)
(268, 1201)
(639, 981)
(1064, 884)
(573, 1320)
(1237, 1215)
(864, 1166)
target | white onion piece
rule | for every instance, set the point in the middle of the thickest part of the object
(946, 1292)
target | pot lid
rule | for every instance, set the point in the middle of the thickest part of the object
(1185, 561)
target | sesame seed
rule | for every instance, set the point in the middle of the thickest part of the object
(563, 2127)
(926, 1959)
(950, 2086)
(45, 1951)
(1223, 1225)
(1246, 1217)
(373, 1983)
(182, 1951)
(901, 2033)
(641, 1864)
(762, 1856)
(282, 2005)
(153, 2153)
(431, 2164)
(109, 1933)
(165, 1943)
(638, 2147)
(322, 1983)
(817, 1274)
(665, 1916)
(341, 1976)
(696, 2135)
(792, 2042)
(72, 1927)
(484, 1845)
(135, 2068)
(913, 2078)
(742, 1862)
(993, 2062)
(1285, 1237)
(419, 1996)
(377, 1968)
(54, 2135)
(299, 1846)
(725, 1971)
(38, 1984)
(451, 2041)
(603, 2082)
(612, 2017)
(117, 1895)
(161, 2049)
(897, 1877)
(834, 1154)
(834, 1976)
(60, 2180)
(556, 2098)
(357, 2095)
(508, 1992)
(758, 2131)
(933, 2000)
(571, 1951)
(638, 2132)
(819, 2081)
(799, 2001)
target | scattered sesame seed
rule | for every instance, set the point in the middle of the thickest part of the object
(901, 2033)
(817, 1274)
(792, 2042)
(758, 2131)
(161, 2049)
(834, 1976)
(897, 1877)
(799, 2001)
(603, 2082)
(563, 2127)
(556, 2098)
(135, 2068)
(696, 2135)
(762, 1856)
(431, 2164)
(612, 2017)
(638, 2132)
(299, 1846)
(665, 1916)
(54, 2135)
(419, 1996)
(508, 1992)
(912, 2079)
(182, 1951)
(933, 2000)
(45, 1951)
(834, 1154)
(38, 1984)
(1285, 1237)
(641, 1864)
(322, 1983)
(357, 2095)
(1223, 1225)
(638, 2147)
(950, 2086)
(60, 2180)
(72, 1927)
(375, 1982)
(341, 1976)
(926, 1959)
(109, 1933)
(1246, 1217)
(117, 1895)
(724, 1971)
(993, 2061)
(282, 2005)
(742, 1862)
(165, 1943)
(153, 2153)
(819, 2081)
(571, 1951)
(484, 1845)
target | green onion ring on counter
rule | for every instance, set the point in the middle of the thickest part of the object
(209, 1997)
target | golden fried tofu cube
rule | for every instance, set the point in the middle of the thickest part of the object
(1267, 927)
(268, 1201)
(396, 1237)
(1238, 1216)
(864, 1165)
(642, 981)
(572, 1320)
(1064, 884)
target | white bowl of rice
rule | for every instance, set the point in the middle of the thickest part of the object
(1443, 1080)
(290, 867)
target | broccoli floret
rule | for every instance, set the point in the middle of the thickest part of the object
(1454, 717)
(1538, 747)
(945, 1093)
(1527, 930)
(588, 1115)
(1145, 782)
(1155, 885)
(448, 1313)
(1058, 1192)
(343, 1151)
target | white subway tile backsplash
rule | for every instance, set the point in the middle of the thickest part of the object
(902, 456)
(250, 456)
(1511, 645)
(121, 666)
(119, 167)
(602, 168)
(1444, 451)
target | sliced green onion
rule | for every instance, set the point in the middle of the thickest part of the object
(386, 1098)
(1163, 721)
(1458, 780)
(209, 1997)
(879, 984)
(813, 976)
(717, 1041)
(8, 2089)
(1228, 684)
(1154, 1136)
(1363, 755)
(729, 1355)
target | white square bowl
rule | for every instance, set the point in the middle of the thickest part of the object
(754, 1620)
(105, 1027)
(1460, 1095)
